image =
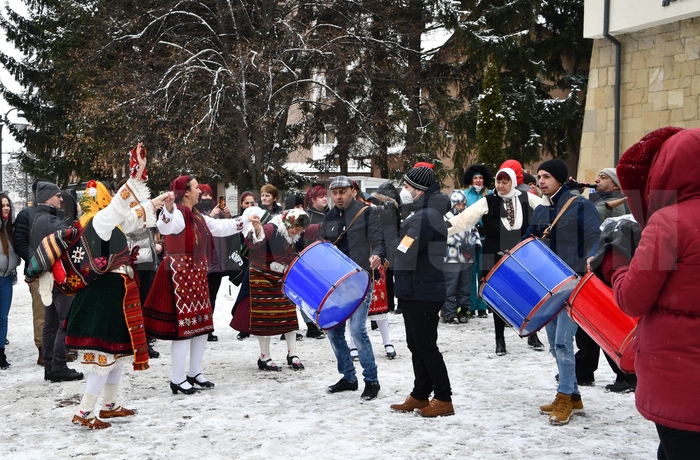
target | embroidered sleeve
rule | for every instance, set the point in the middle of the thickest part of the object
(171, 224)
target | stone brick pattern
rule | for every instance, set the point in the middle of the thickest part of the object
(660, 86)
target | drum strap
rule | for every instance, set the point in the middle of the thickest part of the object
(548, 230)
(359, 213)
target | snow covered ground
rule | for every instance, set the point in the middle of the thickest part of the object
(253, 414)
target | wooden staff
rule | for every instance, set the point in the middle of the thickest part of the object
(615, 203)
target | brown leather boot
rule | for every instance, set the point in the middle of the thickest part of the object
(436, 408)
(410, 404)
(40, 359)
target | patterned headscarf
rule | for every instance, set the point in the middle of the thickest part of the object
(96, 197)
(292, 217)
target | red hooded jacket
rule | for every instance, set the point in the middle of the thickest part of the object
(662, 282)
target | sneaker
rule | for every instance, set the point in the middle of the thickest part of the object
(410, 404)
(371, 391)
(535, 343)
(576, 405)
(93, 423)
(343, 385)
(483, 314)
(453, 320)
(462, 319)
(563, 408)
(66, 375)
(436, 408)
(622, 386)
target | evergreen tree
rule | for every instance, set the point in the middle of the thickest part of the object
(491, 125)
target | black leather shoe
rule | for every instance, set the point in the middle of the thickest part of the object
(371, 391)
(152, 353)
(296, 365)
(313, 332)
(193, 381)
(212, 338)
(343, 385)
(268, 365)
(66, 375)
(242, 335)
(500, 347)
(175, 387)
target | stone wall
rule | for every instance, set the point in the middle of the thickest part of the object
(660, 87)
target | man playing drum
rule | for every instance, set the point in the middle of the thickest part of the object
(357, 234)
(570, 226)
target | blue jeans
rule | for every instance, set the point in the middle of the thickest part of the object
(358, 330)
(5, 302)
(560, 334)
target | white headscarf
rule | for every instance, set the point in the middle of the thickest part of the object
(513, 182)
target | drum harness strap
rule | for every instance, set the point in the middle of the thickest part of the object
(359, 213)
(548, 230)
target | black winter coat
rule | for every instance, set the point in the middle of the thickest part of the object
(420, 257)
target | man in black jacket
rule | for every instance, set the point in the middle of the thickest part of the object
(23, 248)
(46, 221)
(361, 241)
(420, 287)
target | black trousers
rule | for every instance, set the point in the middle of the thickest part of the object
(214, 285)
(587, 356)
(677, 444)
(421, 322)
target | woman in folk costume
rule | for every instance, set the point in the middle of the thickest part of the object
(178, 308)
(505, 216)
(105, 322)
(262, 309)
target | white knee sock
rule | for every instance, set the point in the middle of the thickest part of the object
(87, 405)
(197, 347)
(383, 325)
(178, 357)
(95, 383)
(109, 397)
(291, 338)
(264, 342)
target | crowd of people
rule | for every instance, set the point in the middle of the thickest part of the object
(162, 261)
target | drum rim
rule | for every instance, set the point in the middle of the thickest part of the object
(536, 308)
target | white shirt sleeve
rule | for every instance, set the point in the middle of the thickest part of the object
(224, 227)
(171, 224)
(469, 217)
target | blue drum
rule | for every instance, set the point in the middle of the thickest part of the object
(529, 286)
(326, 284)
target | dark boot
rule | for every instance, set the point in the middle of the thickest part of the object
(40, 359)
(313, 332)
(3, 360)
(500, 347)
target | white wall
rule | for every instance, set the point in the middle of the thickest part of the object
(631, 15)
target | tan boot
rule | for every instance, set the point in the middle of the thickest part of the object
(410, 404)
(562, 411)
(436, 408)
(576, 402)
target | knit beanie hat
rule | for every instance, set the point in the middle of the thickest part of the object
(293, 200)
(420, 178)
(45, 190)
(557, 169)
(612, 174)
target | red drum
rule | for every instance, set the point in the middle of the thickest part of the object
(592, 306)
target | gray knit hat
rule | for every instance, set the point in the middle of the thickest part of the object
(612, 174)
(420, 178)
(45, 190)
